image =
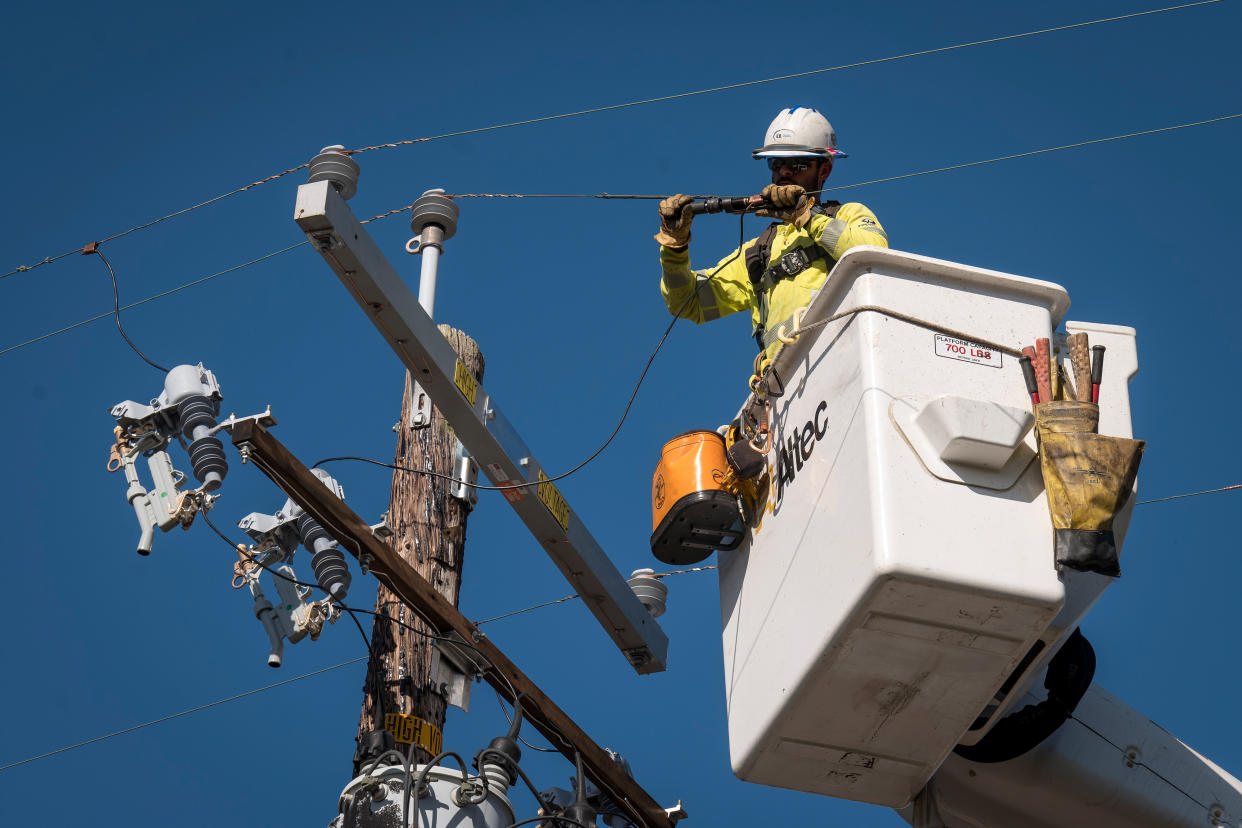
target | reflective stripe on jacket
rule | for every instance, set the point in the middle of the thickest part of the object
(727, 287)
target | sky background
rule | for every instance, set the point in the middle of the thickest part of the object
(117, 116)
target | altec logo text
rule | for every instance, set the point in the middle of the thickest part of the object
(796, 448)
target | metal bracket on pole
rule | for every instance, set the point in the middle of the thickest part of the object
(465, 474)
(420, 407)
(476, 417)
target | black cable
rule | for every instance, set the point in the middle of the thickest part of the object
(421, 777)
(371, 660)
(500, 701)
(438, 637)
(116, 310)
(455, 641)
(624, 414)
(481, 757)
(252, 559)
(550, 817)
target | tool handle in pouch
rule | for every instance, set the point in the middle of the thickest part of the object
(1088, 478)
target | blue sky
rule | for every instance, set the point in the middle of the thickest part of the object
(117, 117)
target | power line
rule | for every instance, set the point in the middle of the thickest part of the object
(153, 222)
(171, 291)
(630, 104)
(1035, 152)
(575, 595)
(1189, 494)
(168, 292)
(1028, 154)
(611, 196)
(477, 623)
(791, 76)
(183, 713)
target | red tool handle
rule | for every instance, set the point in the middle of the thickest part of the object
(1043, 369)
(1097, 371)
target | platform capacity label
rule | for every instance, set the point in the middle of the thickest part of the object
(967, 351)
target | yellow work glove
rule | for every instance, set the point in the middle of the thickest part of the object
(787, 202)
(675, 222)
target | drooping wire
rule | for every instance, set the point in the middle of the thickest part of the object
(193, 283)
(500, 701)
(629, 104)
(161, 295)
(116, 308)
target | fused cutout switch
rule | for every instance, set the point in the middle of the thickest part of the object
(971, 432)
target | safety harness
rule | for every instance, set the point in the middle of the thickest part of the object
(764, 275)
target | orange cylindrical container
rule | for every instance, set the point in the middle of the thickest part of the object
(691, 511)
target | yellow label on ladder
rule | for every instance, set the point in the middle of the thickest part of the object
(466, 383)
(408, 729)
(551, 498)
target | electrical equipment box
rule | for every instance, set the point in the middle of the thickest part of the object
(901, 581)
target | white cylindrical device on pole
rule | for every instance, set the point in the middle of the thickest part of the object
(434, 220)
(427, 274)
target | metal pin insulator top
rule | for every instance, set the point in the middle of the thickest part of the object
(651, 591)
(435, 208)
(333, 165)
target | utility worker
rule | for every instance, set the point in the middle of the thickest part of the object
(780, 271)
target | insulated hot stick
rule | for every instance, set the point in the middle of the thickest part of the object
(715, 204)
(1028, 374)
(1043, 369)
(1080, 360)
(1097, 372)
(1054, 371)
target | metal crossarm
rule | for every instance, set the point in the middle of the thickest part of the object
(374, 283)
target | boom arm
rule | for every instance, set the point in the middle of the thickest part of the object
(1108, 766)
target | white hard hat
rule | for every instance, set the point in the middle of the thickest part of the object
(800, 132)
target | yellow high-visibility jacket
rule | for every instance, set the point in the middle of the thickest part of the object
(728, 287)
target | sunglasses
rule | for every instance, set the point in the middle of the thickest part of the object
(796, 165)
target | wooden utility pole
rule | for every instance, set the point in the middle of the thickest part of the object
(430, 534)
(257, 445)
